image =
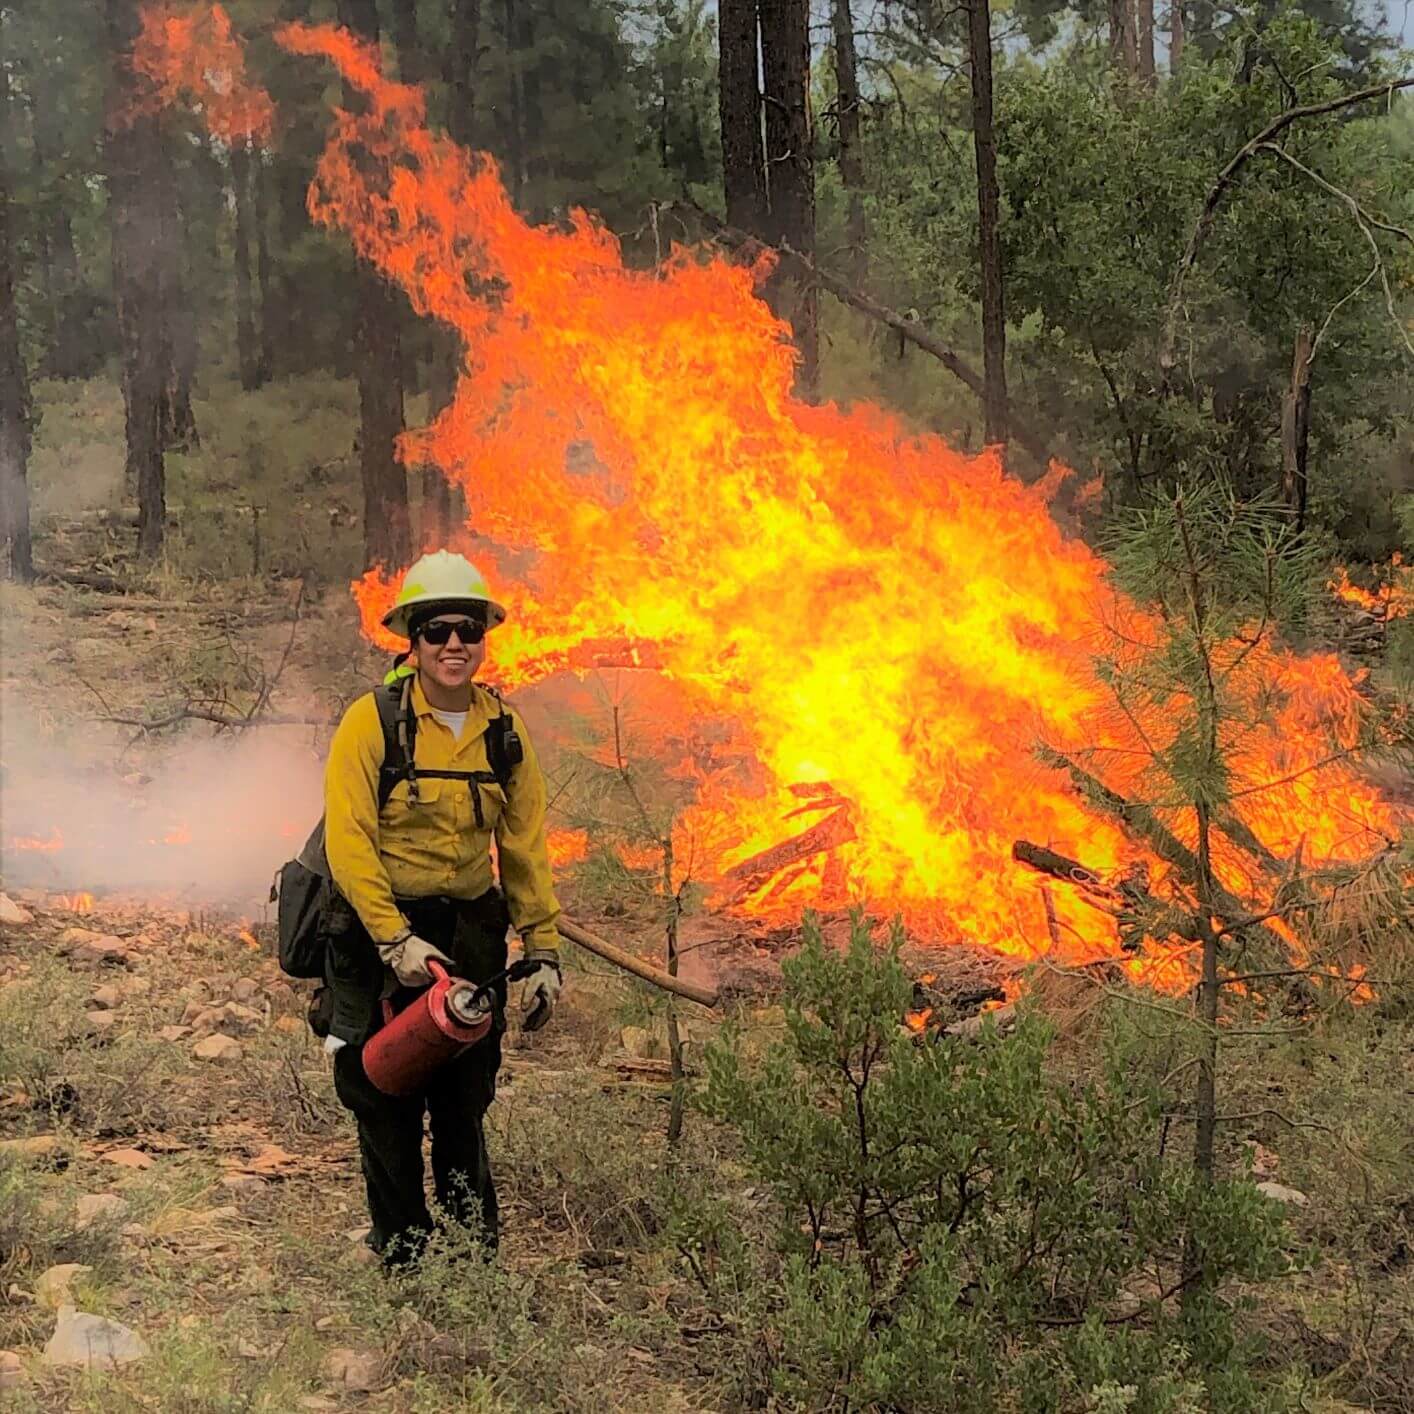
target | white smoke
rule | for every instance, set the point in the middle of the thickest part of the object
(208, 819)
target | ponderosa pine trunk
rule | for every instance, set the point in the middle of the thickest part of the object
(790, 167)
(1144, 40)
(264, 263)
(387, 533)
(1178, 37)
(16, 549)
(242, 259)
(459, 70)
(851, 159)
(995, 402)
(739, 105)
(1124, 49)
(133, 153)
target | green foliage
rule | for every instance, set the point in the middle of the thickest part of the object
(957, 1227)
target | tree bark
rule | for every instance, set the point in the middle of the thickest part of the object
(1145, 43)
(264, 264)
(459, 70)
(851, 162)
(1178, 37)
(1124, 50)
(739, 103)
(790, 168)
(247, 345)
(979, 33)
(387, 534)
(1296, 429)
(16, 549)
(133, 155)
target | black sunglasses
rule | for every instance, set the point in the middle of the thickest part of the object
(439, 631)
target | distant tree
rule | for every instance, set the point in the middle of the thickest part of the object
(847, 118)
(387, 533)
(138, 204)
(979, 46)
(790, 168)
(15, 413)
(739, 95)
(245, 163)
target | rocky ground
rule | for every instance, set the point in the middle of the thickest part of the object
(181, 1214)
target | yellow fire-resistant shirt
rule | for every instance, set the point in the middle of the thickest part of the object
(436, 847)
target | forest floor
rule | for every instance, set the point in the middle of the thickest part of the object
(167, 1123)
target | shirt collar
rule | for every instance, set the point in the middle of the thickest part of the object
(423, 708)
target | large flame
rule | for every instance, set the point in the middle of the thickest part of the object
(878, 628)
(193, 58)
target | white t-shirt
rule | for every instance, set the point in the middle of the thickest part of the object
(453, 721)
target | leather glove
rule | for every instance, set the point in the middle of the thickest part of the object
(409, 956)
(537, 998)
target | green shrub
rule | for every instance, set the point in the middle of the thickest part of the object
(956, 1227)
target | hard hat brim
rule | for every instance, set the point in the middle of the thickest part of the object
(396, 619)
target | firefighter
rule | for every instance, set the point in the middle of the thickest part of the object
(417, 876)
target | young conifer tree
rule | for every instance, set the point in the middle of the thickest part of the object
(1192, 677)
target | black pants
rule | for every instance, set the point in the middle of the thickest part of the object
(455, 1099)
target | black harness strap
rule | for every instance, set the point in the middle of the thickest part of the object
(504, 750)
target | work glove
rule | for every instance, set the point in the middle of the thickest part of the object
(408, 956)
(537, 997)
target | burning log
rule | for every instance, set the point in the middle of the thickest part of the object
(1145, 826)
(835, 829)
(620, 957)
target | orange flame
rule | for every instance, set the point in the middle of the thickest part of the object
(1393, 599)
(882, 626)
(32, 843)
(192, 57)
(566, 847)
(74, 903)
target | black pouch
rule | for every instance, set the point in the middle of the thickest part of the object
(320, 1014)
(303, 900)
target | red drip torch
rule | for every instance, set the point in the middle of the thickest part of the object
(437, 1026)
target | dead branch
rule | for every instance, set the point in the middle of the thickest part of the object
(909, 329)
(1224, 182)
(620, 957)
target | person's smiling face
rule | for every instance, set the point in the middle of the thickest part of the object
(452, 663)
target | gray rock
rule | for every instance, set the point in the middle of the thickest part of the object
(12, 914)
(12, 1370)
(93, 1342)
(93, 1207)
(1282, 1194)
(218, 1048)
(54, 1286)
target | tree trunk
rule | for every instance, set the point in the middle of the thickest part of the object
(1124, 50)
(739, 102)
(459, 69)
(1145, 43)
(979, 36)
(790, 187)
(175, 312)
(264, 264)
(247, 345)
(515, 108)
(134, 155)
(1296, 429)
(387, 535)
(16, 551)
(851, 163)
(1178, 37)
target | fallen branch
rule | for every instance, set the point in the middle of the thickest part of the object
(630, 962)
(835, 829)
(910, 329)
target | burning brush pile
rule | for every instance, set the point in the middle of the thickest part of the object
(881, 653)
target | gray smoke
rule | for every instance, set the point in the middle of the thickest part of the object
(205, 819)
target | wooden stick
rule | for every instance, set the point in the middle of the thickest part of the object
(620, 957)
